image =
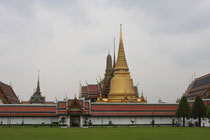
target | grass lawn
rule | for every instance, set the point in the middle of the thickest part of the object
(124, 133)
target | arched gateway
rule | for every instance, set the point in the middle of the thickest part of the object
(75, 112)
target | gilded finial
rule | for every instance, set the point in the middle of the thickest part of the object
(120, 32)
(121, 60)
(142, 91)
(143, 99)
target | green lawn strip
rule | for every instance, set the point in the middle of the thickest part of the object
(123, 133)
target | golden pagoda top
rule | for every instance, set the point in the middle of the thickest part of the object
(143, 99)
(121, 60)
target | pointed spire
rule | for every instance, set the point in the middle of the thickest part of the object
(142, 93)
(109, 63)
(80, 89)
(38, 84)
(120, 32)
(121, 60)
(114, 62)
(143, 99)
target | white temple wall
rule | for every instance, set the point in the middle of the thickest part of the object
(204, 121)
(100, 120)
(27, 120)
(129, 120)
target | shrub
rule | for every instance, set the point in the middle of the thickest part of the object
(89, 123)
(110, 123)
(173, 122)
(132, 121)
(86, 121)
(153, 122)
(190, 124)
(63, 120)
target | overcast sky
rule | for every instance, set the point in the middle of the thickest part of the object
(68, 41)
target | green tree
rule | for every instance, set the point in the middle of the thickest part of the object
(183, 109)
(198, 109)
(208, 112)
(63, 120)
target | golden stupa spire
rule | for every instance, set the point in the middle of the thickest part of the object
(143, 99)
(121, 60)
(121, 86)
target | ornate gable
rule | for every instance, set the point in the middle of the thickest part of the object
(75, 108)
(75, 105)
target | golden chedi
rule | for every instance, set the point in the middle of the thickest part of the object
(121, 88)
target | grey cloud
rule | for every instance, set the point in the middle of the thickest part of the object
(171, 16)
(165, 42)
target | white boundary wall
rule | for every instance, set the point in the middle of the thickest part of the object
(204, 121)
(144, 120)
(101, 120)
(129, 120)
(27, 120)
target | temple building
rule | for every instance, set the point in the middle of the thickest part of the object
(37, 98)
(117, 85)
(7, 95)
(121, 87)
(92, 92)
(114, 100)
(199, 87)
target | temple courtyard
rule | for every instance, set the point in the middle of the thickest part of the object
(118, 133)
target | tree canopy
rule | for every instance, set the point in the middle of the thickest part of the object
(198, 108)
(183, 109)
(208, 112)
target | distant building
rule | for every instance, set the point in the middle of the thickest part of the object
(199, 87)
(46, 102)
(117, 85)
(92, 92)
(37, 98)
(7, 95)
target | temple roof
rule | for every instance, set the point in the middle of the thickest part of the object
(200, 86)
(27, 110)
(202, 81)
(69, 107)
(37, 98)
(7, 94)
